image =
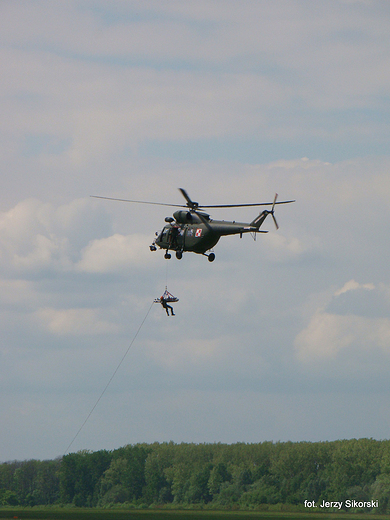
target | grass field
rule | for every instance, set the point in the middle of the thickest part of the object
(112, 514)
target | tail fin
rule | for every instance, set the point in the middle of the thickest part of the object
(259, 219)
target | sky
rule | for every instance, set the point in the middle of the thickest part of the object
(282, 338)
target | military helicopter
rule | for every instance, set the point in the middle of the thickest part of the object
(193, 230)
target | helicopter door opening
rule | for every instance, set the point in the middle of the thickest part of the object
(173, 237)
(165, 235)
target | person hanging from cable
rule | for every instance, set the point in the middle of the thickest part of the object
(166, 306)
(166, 298)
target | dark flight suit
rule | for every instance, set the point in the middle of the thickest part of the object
(166, 306)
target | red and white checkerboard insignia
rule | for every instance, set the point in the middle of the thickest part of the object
(198, 232)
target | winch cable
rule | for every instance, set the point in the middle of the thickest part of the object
(111, 378)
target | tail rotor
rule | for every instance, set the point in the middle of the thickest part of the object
(272, 211)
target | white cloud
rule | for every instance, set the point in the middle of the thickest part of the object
(115, 253)
(26, 237)
(14, 291)
(36, 235)
(352, 285)
(328, 334)
(193, 352)
(96, 108)
(304, 163)
(74, 322)
(45, 252)
(285, 249)
(130, 100)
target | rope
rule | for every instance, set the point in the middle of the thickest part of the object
(111, 378)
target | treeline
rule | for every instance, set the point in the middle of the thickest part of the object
(246, 476)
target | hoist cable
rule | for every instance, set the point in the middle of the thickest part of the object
(111, 378)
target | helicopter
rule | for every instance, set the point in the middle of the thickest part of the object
(192, 229)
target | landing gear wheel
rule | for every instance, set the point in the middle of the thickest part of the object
(179, 255)
(167, 255)
(211, 257)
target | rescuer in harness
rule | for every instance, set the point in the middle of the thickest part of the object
(166, 306)
(166, 298)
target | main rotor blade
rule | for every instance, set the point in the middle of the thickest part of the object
(194, 205)
(203, 220)
(243, 205)
(141, 202)
(190, 203)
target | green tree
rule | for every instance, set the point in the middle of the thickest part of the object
(198, 490)
(9, 498)
(80, 475)
(47, 482)
(354, 463)
(218, 476)
(157, 486)
(25, 478)
(124, 480)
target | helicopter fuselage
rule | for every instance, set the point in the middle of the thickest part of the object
(198, 233)
(191, 229)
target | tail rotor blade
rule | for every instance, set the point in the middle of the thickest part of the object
(272, 211)
(274, 202)
(276, 224)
